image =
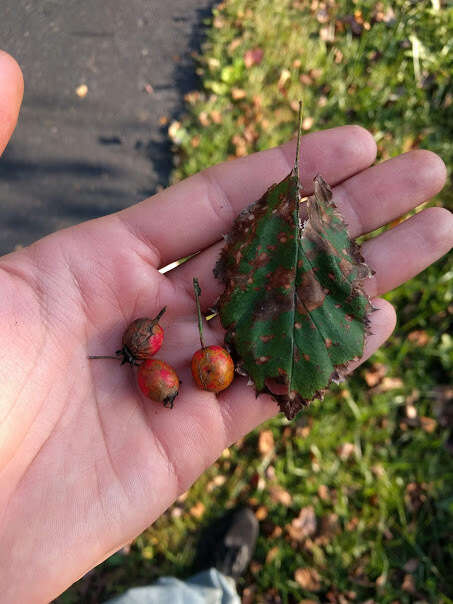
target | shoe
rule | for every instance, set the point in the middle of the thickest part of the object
(238, 544)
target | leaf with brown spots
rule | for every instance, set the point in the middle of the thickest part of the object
(293, 307)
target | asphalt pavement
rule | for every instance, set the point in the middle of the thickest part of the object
(101, 78)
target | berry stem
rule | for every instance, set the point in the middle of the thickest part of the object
(104, 357)
(197, 290)
(157, 317)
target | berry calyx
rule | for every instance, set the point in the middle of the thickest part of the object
(212, 366)
(158, 381)
(141, 340)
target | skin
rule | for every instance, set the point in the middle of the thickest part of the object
(86, 463)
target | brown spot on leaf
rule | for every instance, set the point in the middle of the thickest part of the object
(271, 305)
(261, 360)
(281, 277)
(310, 294)
(266, 338)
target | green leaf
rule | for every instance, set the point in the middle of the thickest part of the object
(293, 306)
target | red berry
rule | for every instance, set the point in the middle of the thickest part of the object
(143, 338)
(212, 368)
(158, 381)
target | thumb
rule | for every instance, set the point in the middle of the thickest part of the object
(11, 92)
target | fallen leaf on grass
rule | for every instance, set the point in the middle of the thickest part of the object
(304, 525)
(261, 513)
(428, 424)
(253, 56)
(323, 492)
(346, 450)
(198, 510)
(408, 584)
(389, 383)
(374, 374)
(279, 495)
(411, 565)
(272, 554)
(308, 578)
(419, 337)
(266, 442)
(330, 527)
(238, 93)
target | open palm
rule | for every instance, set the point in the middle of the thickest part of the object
(86, 463)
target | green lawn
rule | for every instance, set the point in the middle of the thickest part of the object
(355, 498)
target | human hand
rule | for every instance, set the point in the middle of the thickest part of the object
(86, 463)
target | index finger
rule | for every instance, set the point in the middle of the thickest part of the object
(11, 91)
(196, 212)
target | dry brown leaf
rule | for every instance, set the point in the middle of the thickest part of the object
(238, 93)
(330, 526)
(346, 450)
(308, 578)
(255, 567)
(216, 116)
(411, 565)
(381, 580)
(323, 492)
(261, 513)
(266, 442)
(217, 481)
(253, 56)
(198, 510)
(248, 595)
(408, 584)
(307, 123)
(415, 495)
(411, 411)
(419, 337)
(352, 524)
(428, 424)
(203, 118)
(374, 375)
(272, 554)
(389, 383)
(279, 495)
(234, 44)
(304, 525)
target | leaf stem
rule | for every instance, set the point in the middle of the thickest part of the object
(299, 131)
(197, 290)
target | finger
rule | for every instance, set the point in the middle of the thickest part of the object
(11, 92)
(196, 212)
(404, 251)
(207, 424)
(412, 259)
(384, 192)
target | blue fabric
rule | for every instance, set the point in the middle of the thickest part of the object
(207, 587)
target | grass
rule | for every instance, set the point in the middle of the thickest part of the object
(355, 498)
